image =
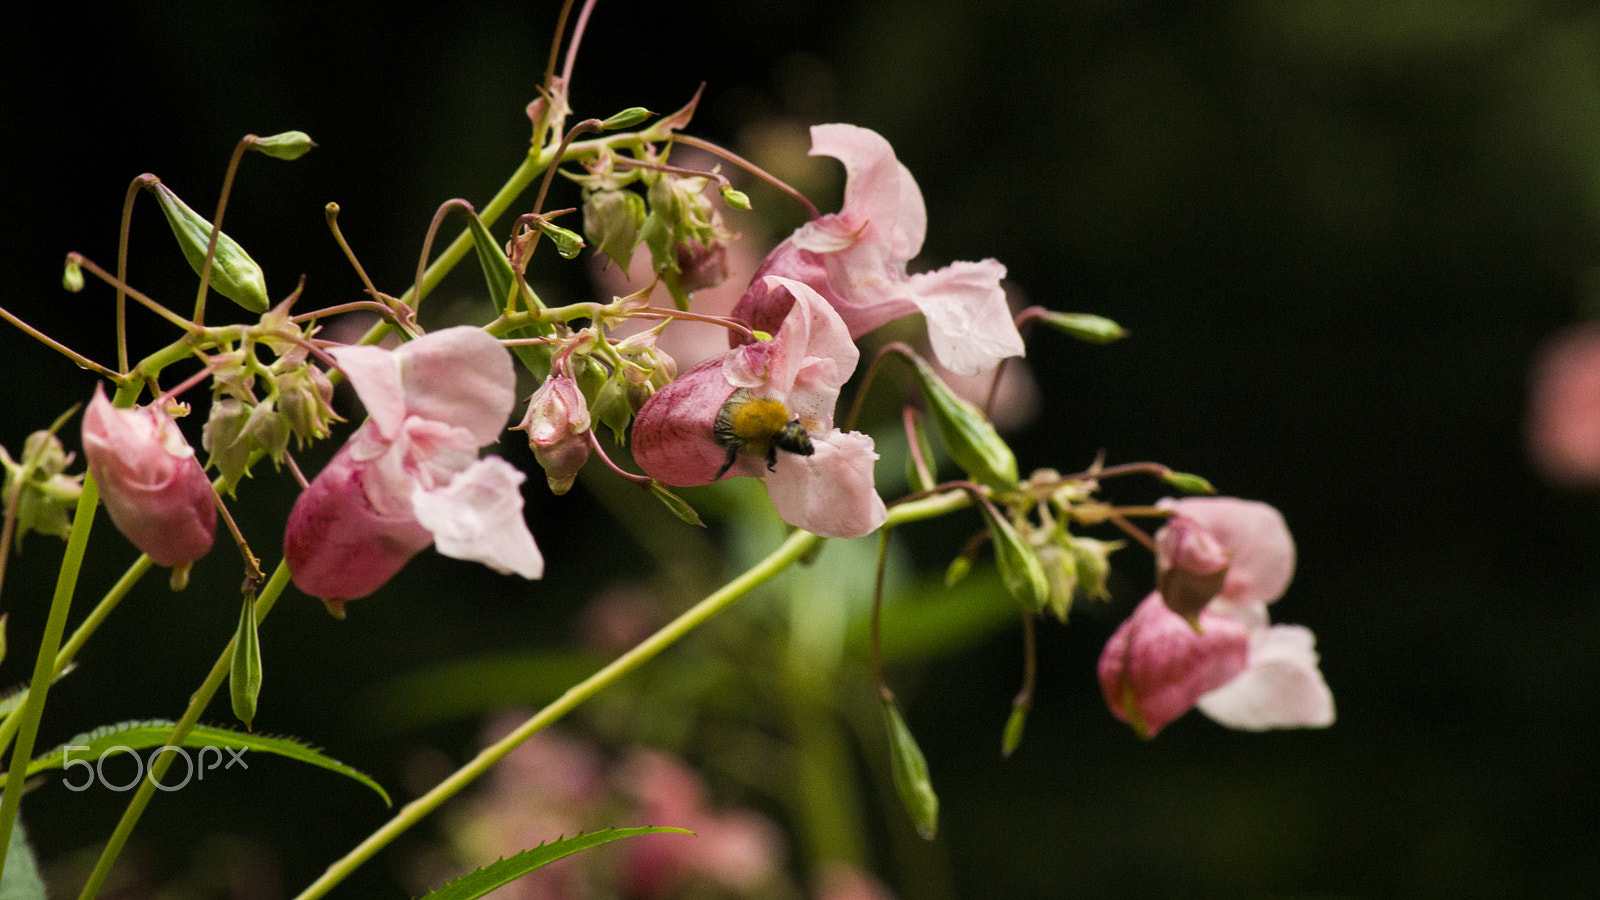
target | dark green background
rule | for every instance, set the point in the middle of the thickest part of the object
(1336, 230)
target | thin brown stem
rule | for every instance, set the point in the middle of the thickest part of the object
(1131, 530)
(123, 286)
(872, 371)
(216, 226)
(83, 362)
(577, 41)
(123, 239)
(252, 565)
(555, 44)
(594, 445)
(752, 168)
(875, 634)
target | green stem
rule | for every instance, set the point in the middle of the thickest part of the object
(44, 666)
(180, 732)
(81, 635)
(799, 545)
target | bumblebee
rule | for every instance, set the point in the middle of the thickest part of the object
(758, 425)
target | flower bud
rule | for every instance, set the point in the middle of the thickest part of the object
(220, 439)
(611, 219)
(233, 273)
(558, 431)
(1191, 567)
(152, 486)
(43, 495)
(568, 242)
(72, 277)
(287, 145)
(701, 266)
(628, 118)
(1085, 327)
(305, 400)
(971, 439)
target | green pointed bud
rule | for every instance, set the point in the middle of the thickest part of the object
(675, 504)
(233, 273)
(612, 220)
(288, 145)
(1020, 569)
(1061, 571)
(1011, 738)
(72, 277)
(910, 770)
(957, 571)
(972, 441)
(229, 455)
(628, 118)
(1189, 484)
(244, 674)
(1085, 327)
(1092, 559)
(735, 198)
(613, 408)
(568, 243)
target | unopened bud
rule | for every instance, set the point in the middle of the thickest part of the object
(701, 266)
(287, 145)
(1189, 484)
(558, 431)
(612, 219)
(568, 243)
(72, 277)
(233, 273)
(1191, 567)
(628, 118)
(735, 198)
(1085, 327)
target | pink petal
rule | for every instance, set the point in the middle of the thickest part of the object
(1155, 667)
(337, 546)
(149, 480)
(878, 189)
(969, 323)
(478, 517)
(812, 357)
(376, 377)
(1282, 688)
(831, 492)
(1564, 408)
(1256, 540)
(672, 434)
(461, 376)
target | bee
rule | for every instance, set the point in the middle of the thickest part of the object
(758, 425)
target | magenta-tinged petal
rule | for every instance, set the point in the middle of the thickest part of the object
(1191, 566)
(831, 492)
(879, 190)
(672, 434)
(152, 486)
(1281, 688)
(337, 546)
(1256, 540)
(461, 376)
(813, 355)
(969, 324)
(478, 517)
(1155, 667)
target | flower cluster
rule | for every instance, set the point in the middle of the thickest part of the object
(1203, 639)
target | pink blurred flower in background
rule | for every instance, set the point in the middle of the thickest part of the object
(1564, 407)
(410, 476)
(1226, 658)
(856, 260)
(829, 492)
(149, 480)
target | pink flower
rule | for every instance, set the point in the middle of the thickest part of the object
(410, 476)
(758, 409)
(856, 259)
(1240, 671)
(1564, 408)
(151, 484)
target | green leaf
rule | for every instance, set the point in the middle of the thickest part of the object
(21, 880)
(910, 770)
(140, 735)
(502, 872)
(244, 673)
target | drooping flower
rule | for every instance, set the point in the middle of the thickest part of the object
(856, 259)
(410, 476)
(757, 409)
(149, 479)
(1226, 658)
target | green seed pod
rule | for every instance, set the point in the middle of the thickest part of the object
(244, 673)
(910, 770)
(1020, 569)
(972, 441)
(628, 118)
(233, 273)
(287, 145)
(1086, 327)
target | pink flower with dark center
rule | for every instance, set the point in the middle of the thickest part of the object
(151, 483)
(856, 260)
(410, 476)
(766, 410)
(1227, 659)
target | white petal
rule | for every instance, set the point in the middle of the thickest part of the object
(1282, 688)
(969, 323)
(478, 517)
(829, 493)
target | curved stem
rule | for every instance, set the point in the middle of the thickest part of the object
(752, 168)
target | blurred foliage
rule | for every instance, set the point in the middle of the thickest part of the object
(1334, 230)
